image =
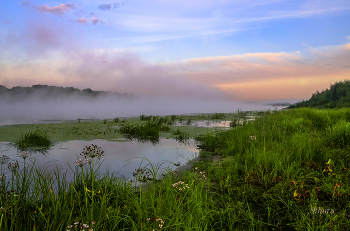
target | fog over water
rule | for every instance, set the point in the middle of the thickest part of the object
(35, 111)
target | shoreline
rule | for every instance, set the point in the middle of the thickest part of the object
(181, 170)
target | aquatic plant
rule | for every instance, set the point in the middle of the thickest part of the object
(33, 140)
(218, 116)
(177, 132)
(149, 129)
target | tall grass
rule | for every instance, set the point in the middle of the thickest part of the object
(149, 129)
(285, 171)
(32, 140)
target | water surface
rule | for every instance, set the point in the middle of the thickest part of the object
(119, 157)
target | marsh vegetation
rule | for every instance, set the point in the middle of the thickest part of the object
(33, 140)
(271, 174)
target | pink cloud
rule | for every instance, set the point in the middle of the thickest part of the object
(82, 20)
(6, 22)
(56, 9)
(95, 20)
(248, 77)
(269, 76)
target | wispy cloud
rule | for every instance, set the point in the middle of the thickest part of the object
(211, 16)
(70, 5)
(110, 6)
(95, 20)
(5, 22)
(157, 38)
(26, 3)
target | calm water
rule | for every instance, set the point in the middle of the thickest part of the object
(212, 124)
(116, 155)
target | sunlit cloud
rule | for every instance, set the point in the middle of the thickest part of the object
(48, 50)
(247, 77)
(56, 9)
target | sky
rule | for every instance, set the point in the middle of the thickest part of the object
(233, 50)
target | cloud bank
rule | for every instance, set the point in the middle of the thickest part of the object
(46, 51)
(248, 77)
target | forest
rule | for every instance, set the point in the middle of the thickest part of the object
(338, 96)
(53, 92)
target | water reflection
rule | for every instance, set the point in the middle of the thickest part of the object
(142, 140)
(122, 158)
(205, 123)
(213, 124)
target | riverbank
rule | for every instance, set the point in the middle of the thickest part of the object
(287, 170)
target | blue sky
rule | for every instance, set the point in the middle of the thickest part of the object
(245, 50)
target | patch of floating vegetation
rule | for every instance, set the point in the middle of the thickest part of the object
(109, 129)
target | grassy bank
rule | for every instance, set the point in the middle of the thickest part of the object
(285, 171)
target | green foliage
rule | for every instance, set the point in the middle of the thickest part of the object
(210, 143)
(150, 129)
(281, 172)
(339, 134)
(156, 119)
(218, 116)
(34, 139)
(296, 125)
(338, 96)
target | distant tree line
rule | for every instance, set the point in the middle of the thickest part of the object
(338, 96)
(49, 92)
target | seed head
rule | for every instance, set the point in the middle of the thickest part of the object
(13, 166)
(24, 154)
(80, 162)
(4, 159)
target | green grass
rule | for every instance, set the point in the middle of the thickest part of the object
(218, 116)
(147, 130)
(108, 129)
(32, 140)
(287, 178)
